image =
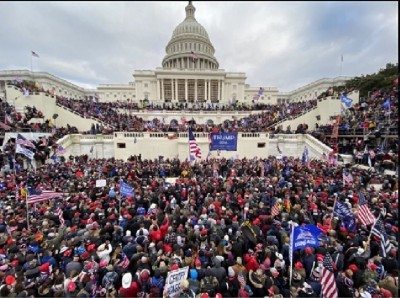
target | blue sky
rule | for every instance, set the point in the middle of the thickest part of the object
(277, 44)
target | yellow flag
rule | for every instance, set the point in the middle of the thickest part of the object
(23, 192)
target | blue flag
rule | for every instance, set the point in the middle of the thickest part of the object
(342, 210)
(347, 217)
(387, 103)
(125, 189)
(347, 101)
(349, 222)
(305, 236)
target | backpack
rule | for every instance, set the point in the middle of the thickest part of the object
(207, 285)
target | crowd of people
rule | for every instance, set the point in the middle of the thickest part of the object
(216, 218)
(229, 221)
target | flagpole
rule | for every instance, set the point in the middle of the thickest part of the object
(27, 207)
(31, 63)
(333, 213)
(370, 233)
(341, 66)
(291, 257)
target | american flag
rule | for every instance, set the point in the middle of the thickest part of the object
(379, 231)
(275, 209)
(60, 216)
(60, 150)
(347, 177)
(372, 153)
(125, 261)
(35, 54)
(328, 283)
(23, 141)
(364, 214)
(194, 148)
(241, 279)
(37, 195)
(194, 57)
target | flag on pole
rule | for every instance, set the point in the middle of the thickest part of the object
(60, 216)
(305, 157)
(35, 54)
(194, 57)
(342, 58)
(346, 100)
(37, 195)
(23, 141)
(193, 146)
(275, 209)
(387, 103)
(91, 149)
(379, 231)
(347, 177)
(328, 282)
(28, 153)
(364, 214)
(60, 150)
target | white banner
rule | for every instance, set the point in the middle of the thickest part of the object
(28, 153)
(101, 183)
(174, 280)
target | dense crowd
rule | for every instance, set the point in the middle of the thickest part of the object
(373, 123)
(216, 218)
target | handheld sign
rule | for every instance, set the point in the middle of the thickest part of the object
(174, 280)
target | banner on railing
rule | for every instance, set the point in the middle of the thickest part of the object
(224, 141)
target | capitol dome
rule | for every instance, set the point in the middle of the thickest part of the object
(190, 47)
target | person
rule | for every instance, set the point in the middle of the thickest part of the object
(186, 291)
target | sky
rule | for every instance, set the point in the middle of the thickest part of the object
(277, 44)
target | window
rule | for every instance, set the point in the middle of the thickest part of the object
(121, 145)
(146, 85)
(260, 145)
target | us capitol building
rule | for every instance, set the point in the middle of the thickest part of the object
(190, 73)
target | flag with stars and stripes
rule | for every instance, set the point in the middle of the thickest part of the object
(364, 214)
(241, 279)
(379, 231)
(328, 282)
(60, 216)
(125, 261)
(275, 209)
(193, 146)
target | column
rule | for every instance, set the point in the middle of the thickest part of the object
(209, 89)
(186, 89)
(195, 90)
(222, 91)
(176, 88)
(205, 90)
(158, 90)
(219, 90)
(162, 90)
